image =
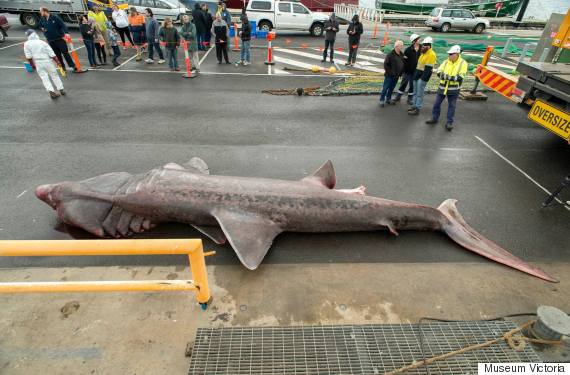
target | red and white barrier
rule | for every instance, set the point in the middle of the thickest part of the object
(71, 49)
(270, 37)
(189, 73)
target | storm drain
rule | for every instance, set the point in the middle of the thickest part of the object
(349, 349)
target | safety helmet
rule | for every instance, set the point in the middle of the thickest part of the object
(454, 49)
(413, 37)
(427, 40)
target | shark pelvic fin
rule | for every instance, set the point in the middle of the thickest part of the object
(325, 176)
(250, 235)
(214, 233)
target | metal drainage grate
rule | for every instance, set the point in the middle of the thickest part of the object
(350, 349)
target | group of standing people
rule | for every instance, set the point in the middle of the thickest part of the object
(416, 65)
(354, 31)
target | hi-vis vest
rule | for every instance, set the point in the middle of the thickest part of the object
(452, 69)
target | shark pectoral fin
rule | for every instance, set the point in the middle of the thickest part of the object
(214, 233)
(324, 176)
(197, 165)
(250, 235)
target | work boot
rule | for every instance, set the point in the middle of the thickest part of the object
(398, 97)
(323, 60)
(62, 92)
(431, 121)
(53, 95)
(414, 112)
(410, 101)
(449, 126)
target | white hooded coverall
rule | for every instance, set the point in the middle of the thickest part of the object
(42, 54)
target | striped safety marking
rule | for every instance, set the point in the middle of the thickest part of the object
(497, 82)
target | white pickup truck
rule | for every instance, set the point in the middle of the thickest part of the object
(285, 15)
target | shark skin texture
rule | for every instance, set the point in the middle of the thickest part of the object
(250, 212)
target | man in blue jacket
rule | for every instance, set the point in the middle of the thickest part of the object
(54, 31)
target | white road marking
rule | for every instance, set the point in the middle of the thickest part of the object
(518, 169)
(204, 57)
(331, 76)
(280, 71)
(11, 45)
(117, 68)
(269, 70)
(12, 67)
(20, 195)
(296, 63)
(319, 57)
(361, 56)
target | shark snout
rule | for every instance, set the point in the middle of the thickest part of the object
(45, 193)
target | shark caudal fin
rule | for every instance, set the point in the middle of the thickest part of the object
(459, 231)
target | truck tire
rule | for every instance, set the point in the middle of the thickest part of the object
(445, 27)
(265, 26)
(30, 19)
(317, 29)
(479, 28)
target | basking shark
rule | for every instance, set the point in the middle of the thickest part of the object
(251, 212)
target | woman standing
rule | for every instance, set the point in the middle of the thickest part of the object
(220, 30)
(122, 24)
(87, 35)
(99, 41)
(354, 31)
(136, 26)
(101, 20)
(171, 39)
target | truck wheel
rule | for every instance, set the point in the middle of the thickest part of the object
(265, 26)
(479, 28)
(317, 29)
(445, 27)
(30, 19)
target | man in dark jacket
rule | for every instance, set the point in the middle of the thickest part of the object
(411, 55)
(393, 69)
(200, 23)
(209, 21)
(55, 30)
(354, 31)
(220, 29)
(331, 28)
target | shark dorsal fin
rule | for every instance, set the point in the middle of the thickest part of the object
(249, 234)
(197, 164)
(324, 176)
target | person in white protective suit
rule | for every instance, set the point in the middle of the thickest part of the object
(43, 60)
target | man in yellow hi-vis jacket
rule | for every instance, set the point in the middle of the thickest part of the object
(451, 74)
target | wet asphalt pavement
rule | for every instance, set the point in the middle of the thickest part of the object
(137, 118)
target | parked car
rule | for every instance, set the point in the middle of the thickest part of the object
(445, 19)
(4, 26)
(285, 15)
(160, 8)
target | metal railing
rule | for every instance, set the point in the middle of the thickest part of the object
(191, 247)
(366, 14)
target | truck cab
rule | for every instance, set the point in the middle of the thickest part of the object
(285, 15)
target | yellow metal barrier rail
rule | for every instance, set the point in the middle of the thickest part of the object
(191, 247)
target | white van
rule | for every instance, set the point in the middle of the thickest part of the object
(285, 15)
(160, 8)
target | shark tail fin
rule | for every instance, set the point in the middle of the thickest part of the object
(463, 234)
